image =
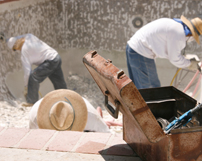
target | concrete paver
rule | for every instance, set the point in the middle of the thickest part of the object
(41, 144)
(117, 146)
(12, 136)
(65, 141)
(93, 143)
(36, 139)
(10, 154)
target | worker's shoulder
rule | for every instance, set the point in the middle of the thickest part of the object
(165, 21)
(161, 23)
(168, 24)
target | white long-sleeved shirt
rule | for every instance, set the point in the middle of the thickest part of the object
(162, 38)
(34, 52)
(94, 122)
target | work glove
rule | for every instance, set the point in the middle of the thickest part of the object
(194, 65)
(25, 92)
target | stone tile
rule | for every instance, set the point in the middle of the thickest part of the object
(90, 147)
(36, 139)
(118, 146)
(12, 136)
(117, 139)
(12, 154)
(93, 143)
(65, 141)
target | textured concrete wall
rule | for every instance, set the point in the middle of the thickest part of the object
(91, 24)
(107, 24)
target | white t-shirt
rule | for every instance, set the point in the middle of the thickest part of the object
(94, 123)
(162, 38)
(34, 52)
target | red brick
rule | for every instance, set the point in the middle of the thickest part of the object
(93, 143)
(12, 136)
(36, 139)
(65, 141)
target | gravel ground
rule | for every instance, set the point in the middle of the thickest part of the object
(11, 116)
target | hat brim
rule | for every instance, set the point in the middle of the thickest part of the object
(77, 102)
(188, 23)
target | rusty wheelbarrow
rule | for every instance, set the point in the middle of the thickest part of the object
(142, 108)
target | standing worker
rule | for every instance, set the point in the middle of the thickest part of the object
(162, 38)
(48, 61)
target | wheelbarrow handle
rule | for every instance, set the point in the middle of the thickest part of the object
(112, 111)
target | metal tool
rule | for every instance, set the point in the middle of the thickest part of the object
(182, 120)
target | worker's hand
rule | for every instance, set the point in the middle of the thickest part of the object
(194, 65)
(25, 91)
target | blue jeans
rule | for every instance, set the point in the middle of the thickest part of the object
(142, 71)
(52, 70)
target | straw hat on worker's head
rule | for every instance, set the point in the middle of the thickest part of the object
(11, 41)
(195, 25)
(62, 109)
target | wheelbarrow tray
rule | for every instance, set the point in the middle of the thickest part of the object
(141, 108)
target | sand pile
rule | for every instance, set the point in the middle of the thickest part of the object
(11, 116)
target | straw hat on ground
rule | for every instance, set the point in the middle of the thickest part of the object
(62, 110)
(195, 25)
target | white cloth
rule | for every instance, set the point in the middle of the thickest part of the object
(34, 52)
(162, 38)
(94, 122)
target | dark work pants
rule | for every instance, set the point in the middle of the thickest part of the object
(52, 70)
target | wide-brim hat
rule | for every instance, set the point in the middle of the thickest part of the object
(62, 109)
(195, 26)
